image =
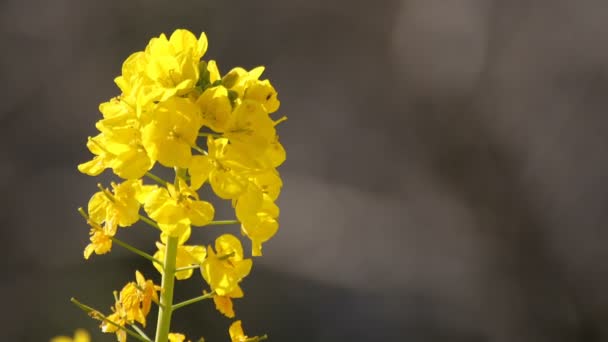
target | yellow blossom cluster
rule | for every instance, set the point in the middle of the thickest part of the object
(176, 110)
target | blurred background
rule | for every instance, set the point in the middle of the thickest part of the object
(446, 180)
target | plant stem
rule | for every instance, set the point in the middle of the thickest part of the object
(186, 268)
(135, 250)
(148, 221)
(222, 222)
(205, 134)
(156, 178)
(193, 300)
(140, 332)
(166, 296)
(199, 150)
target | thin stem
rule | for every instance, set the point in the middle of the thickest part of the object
(193, 300)
(149, 222)
(199, 150)
(222, 222)
(106, 192)
(180, 173)
(135, 250)
(140, 332)
(156, 178)
(83, 214)
(205, 134)
(186, 268)
(166, 296)
(257, 338)
(98, 315)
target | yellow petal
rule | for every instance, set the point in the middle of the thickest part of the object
(200, 213)
(199, 169)
(223, 304)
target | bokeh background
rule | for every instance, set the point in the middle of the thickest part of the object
(447, 172)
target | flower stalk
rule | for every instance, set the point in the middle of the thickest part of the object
(177, 111)
(166, 297)
(193, 300)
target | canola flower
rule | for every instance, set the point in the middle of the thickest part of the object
(177, 110)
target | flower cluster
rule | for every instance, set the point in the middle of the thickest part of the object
(178, 111)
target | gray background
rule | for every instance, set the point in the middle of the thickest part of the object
(446, 176)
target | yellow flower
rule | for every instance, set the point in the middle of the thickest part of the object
(257, 213)
(224, 305)
(167, 67)
(223, 271)
(130, 303)
(132, 81)
(80, 335)
(215, 108)
(148, 292)
(176, 208)
(214, 72)
(186, 256)
(172, 64)
(269, 182)
(264, 93)
(223, 167)
(128, 161)
(119, 144)
(120, 321)
(119, 208)
(199, 170)
(176, 337)
(172, 132)
(101, 243)
(238, 79)
(236, 332)
(133, 304)
(250, 128)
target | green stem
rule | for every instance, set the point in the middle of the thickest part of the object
(166, 296)
(148, 221)
(222, 222)
(156, 178)
(140, 332)
(135, 250)
(193, 300)
(98, 315)
(199, 150)
(186, 268)
(106, 192)
(180, 173)
(204, 134)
